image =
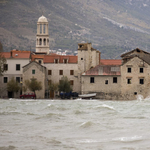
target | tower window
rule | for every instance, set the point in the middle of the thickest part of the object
(40, 28)
(40, 42)
(44, 41)
(44, 28)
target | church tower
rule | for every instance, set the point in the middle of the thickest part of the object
(42, 37)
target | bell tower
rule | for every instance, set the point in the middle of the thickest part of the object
(42, 37)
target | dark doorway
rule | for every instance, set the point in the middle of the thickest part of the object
(10, 95)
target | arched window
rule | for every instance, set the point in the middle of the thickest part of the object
(40, 42)
(37, 42)
(47, 41)
(40, 28)
(44, 28)
(44, 41)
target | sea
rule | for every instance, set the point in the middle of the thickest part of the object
(74, 124)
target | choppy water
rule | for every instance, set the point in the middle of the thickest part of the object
(74, 125)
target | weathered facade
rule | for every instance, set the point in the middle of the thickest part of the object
(88, 73)
(13, 69)
(37, 71)
(135, 70)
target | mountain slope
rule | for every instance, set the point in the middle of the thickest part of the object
(113, 26)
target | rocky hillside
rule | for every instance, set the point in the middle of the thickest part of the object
(113, 26)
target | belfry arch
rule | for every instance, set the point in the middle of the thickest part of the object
(42, 43)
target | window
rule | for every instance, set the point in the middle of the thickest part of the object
(17, 67)
(5, 79)
(5, 67)
(56, 61)
(92, 80)
(129, 70)
(40, 42)
(33, 71)
(65, 61)
(60, 72)
(40, 28)
(135, 93)
(71, 82)
(49, 72)
(141, 70)
(106, 81)
(114, 79)
(18, 79)
(81, 58)
(44, 41)
(129, 81)
(71, 72)
(141, 81)
(44, 28)
(40, 61)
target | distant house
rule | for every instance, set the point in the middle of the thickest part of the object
(16, 59)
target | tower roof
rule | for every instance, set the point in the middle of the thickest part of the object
(42, 19)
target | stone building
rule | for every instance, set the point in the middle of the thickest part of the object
(135, 74)
(37, 71)
(13, 69)
(88, 73)
(120, 79)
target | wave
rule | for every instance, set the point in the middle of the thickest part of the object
(77, 112)
(129, 139)
(50, 115)
(105, 106)
(88, 141)
(86, 124)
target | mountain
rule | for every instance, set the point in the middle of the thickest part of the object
(113, 26)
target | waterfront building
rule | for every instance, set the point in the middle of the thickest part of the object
(125, 78)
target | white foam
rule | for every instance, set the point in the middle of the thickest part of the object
(128, 139)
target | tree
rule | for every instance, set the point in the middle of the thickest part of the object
(33, 85)
(53, 87)
(13, 86)
(64, 85)
(2, 64)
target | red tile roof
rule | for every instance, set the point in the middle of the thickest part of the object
(16, 54)
(51, 58)
(110, 61)
(104, 70)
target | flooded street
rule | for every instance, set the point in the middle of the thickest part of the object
(74, 125)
